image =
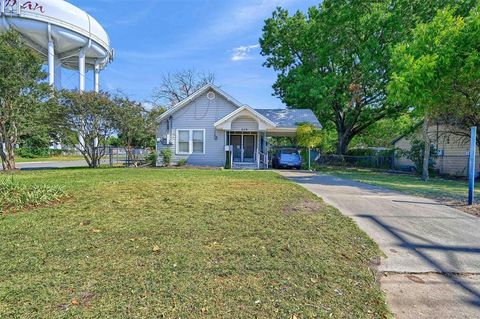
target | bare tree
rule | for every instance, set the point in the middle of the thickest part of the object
(179, 85)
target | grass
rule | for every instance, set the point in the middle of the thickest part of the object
(15, 196)
(154, 243)
(65, 158)
(436, 188)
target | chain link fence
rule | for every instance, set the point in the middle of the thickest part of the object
(385, 162)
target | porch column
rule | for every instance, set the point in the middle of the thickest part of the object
(265, 148)
(258, 149)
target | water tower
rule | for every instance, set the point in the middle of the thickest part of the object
(65, 35)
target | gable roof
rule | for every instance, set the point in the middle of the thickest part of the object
(199, 92)
(249, 109)
(278, 118)
(289, 118)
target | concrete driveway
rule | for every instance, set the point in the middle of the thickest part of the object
(433, 251)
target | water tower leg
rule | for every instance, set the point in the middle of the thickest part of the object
(51, 63)
(58, 73)
(81, 68)
(96, 78)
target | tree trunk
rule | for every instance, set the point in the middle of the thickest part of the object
(426, 152)
(343, 142)
(7, 156)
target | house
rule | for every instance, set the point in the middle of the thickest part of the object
(452, 150)
(211, 128)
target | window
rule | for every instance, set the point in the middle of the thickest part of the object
(183, 142)
(198, 141)
(190, 141)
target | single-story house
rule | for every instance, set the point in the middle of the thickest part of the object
(452, 150)
(211, 128)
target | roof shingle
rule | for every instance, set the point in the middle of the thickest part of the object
(290, 118)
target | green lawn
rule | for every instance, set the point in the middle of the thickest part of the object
(436, 188)
(153, 243)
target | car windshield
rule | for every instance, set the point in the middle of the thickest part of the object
(288, 151)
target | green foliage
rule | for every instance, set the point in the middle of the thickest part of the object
(415, 154)
(152, 158)
(84, 120)
(182, 162)
(369, 152)
(336, 59)
(166, 154)
(22, 94)
(132, 124)
(32, 152)
(383, 132)
(15, 195)
(308, 136)
(114, 141)
(420, 64)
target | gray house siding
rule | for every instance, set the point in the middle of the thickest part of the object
(201, 113)
(244, 124)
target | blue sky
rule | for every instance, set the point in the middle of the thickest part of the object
(153, 37)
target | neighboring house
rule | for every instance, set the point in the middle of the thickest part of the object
(453, 150)
(211, 128)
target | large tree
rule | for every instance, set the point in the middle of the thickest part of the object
(179, 85)
(22, 94)
(438, 71)
(134, 125)
(85, 120)
(336, 58)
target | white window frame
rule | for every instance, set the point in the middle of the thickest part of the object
(190, 141)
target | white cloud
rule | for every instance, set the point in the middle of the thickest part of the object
(242, 52)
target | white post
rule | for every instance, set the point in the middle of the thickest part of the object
(96, 77)
(58, 73)
(81, 69)
(51, 58)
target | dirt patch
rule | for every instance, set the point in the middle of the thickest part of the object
(472, 210)
(305, 206)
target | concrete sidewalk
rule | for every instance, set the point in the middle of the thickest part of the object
(433, 251)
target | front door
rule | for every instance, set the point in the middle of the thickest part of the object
(243, 147)
(249, 148)
(236, 141)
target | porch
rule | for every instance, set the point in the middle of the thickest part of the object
(247, 132)
(246, 150)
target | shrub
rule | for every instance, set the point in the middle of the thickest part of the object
(182, 162)
(152, 158)
(415, 154)
(16, 195)
(32, 152)
(166, 154)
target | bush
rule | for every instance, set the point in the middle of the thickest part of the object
(32, 152)
(369, 152)
(152, 158)
(15, 195)
(182, 162)
(415, 154)
(166, 154)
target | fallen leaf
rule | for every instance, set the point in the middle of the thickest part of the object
(74, 302)
(156, 248)
(95, 230)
